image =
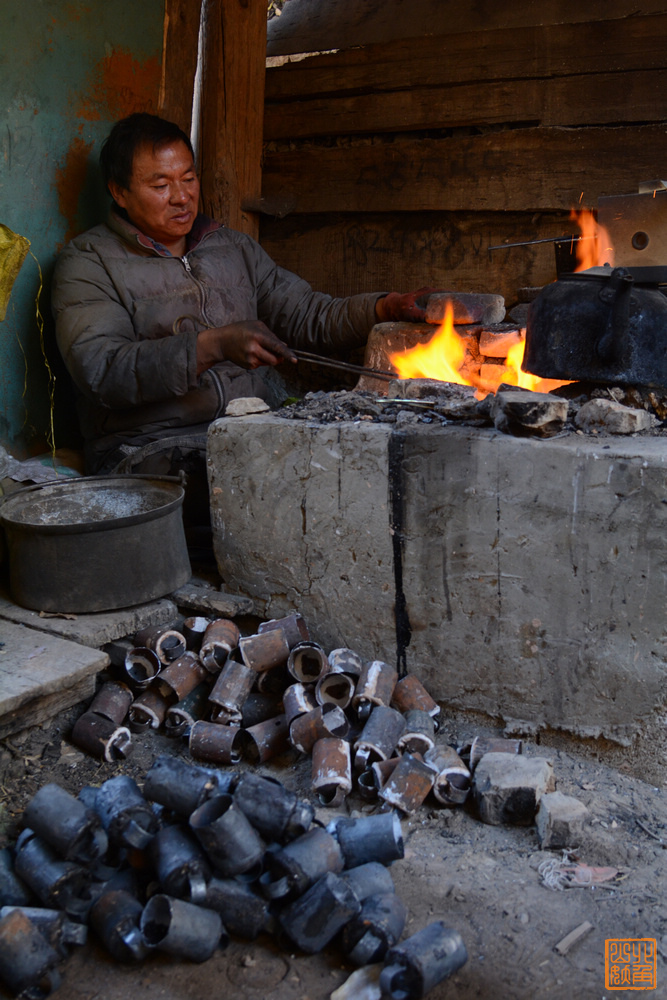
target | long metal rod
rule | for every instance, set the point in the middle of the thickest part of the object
(345, 366)
(547, 239)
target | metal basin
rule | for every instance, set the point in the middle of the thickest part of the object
(95, 543)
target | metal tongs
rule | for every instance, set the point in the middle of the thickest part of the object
(316, 359)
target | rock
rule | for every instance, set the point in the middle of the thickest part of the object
(495, 342)
(245, 405)
(469, 307)
(520, 412)
(608, 415)
(560, 820)
(507, 788)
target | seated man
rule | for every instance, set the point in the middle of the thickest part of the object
(163, 315)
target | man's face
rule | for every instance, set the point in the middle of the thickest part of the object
(163, 195)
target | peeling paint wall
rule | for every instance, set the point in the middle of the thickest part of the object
(70, 69)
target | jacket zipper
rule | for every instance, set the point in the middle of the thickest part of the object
(200, 287)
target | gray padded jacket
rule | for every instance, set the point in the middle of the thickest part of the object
(128, 314)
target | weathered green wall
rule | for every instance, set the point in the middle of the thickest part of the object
(69, 69)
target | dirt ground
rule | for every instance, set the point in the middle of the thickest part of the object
(484, 881)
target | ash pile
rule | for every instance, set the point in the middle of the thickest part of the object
(579, 408)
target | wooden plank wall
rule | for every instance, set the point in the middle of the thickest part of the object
(399, 162)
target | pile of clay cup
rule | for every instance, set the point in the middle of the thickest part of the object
(252, 697)
(195, 856)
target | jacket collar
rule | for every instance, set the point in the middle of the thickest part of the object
(120, 224)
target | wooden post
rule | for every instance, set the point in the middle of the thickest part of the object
(179, 61)
(233, 111)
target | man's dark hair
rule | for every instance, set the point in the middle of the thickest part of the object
(127, 135)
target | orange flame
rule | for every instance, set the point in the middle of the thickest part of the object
(443, 359)
(594, 248)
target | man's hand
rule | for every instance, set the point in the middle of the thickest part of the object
(407, 307)
(248, 344)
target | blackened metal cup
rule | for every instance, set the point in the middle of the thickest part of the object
(182, 867)
(369, 838)
(115, 917)
(231, 843)
(182, 929)
(314, 919)
(242, 910)
(295, 867)
(375, 929)
(73, 831)
(369, 879)
(379, 737)
(415, 966)
(275, 812)
(28, 963)
(181, 787)
(125, 814)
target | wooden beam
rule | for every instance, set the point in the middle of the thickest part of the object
(591, 99)
(179, 61)
(232, 111)
(312, 26)
(539, 52)
(345, 254)
(525, 169)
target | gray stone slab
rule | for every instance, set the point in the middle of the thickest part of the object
(95, 629)
(519, 577)
(41, 675)
(207, 601)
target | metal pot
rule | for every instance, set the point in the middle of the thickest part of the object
(95, 543)
(598, 325)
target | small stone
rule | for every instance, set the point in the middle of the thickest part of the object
(560, 820)
(246, 405)
(507, 788)
(611, 416)
(519, 412)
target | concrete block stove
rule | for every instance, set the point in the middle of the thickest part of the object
(522, 578)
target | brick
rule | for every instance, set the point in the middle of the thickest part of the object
(508, 788)
(497, 343)
(560, 820)
(612, 417)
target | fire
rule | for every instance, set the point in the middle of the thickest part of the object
(594, 248)
(443, 358)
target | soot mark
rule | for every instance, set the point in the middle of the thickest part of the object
(396, 514)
